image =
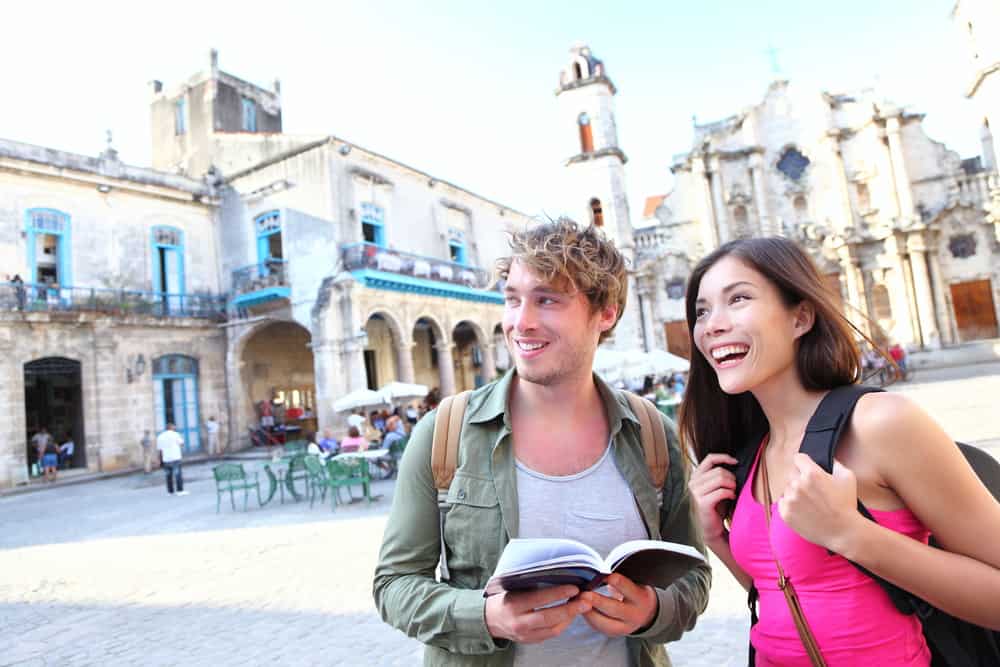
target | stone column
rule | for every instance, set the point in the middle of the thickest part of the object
(768, 226)
(938, 289)
(13, 452)
(446, 367)
(855, 288)
(489, 367)
(326, 368)
(404, 358)
(898, 294)
(709, 229)
(721, 219)
(352, 358)
(931, 338)
(843, 185)
(102, 454)
(901, 180)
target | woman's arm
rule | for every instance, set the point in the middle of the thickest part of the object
(709, 485)
(920, 463)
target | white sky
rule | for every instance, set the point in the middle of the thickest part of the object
(464, 90)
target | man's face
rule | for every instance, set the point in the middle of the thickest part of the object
(551, 333)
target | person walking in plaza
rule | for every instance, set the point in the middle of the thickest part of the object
(548, 450)
(170, 444)
(212, 431)
(769, 345)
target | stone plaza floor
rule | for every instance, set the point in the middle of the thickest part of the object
(115, 572)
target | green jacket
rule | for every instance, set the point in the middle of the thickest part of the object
(449, 617)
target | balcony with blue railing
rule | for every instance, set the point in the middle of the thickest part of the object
(259, 283)
(50, 298)
(383, 268)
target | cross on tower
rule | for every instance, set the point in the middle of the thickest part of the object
(772, 53)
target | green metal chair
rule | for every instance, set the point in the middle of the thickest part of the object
(232, 477)
(294, 447)
(358, 472)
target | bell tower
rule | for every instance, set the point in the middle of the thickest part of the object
(595, 165)
(594, 174)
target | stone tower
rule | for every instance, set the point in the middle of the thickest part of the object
(213, 120)
(594, 190)
(978, 25)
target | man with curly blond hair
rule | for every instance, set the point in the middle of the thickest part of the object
(548, 450)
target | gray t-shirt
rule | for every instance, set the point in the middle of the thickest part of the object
(595, 507)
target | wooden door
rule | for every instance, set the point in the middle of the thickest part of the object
(678, 340)
(975, 313)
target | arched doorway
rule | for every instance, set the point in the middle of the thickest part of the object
(468, 356)
(426, 338)
(53, 399)
(175, 397)
(500, 351)
(279, 379)
(381, 362)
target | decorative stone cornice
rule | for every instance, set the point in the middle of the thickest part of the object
(612, 151)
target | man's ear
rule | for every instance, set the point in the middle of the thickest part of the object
(805, 318)
(607, 316)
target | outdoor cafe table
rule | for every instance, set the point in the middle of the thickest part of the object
(369, 455)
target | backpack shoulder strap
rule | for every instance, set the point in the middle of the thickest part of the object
(829, 421)
(447, 431)
(654, 438)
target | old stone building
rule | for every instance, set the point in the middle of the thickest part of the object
(247, 267)
(897, 222)
(109, 316)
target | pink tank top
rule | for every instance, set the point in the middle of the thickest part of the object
(853, 619)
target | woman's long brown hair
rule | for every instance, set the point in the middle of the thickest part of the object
(827, 356)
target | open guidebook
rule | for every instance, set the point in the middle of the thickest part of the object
(526, 564)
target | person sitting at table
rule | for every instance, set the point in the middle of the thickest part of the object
(328, 443)
(353, 442)
(395, 431)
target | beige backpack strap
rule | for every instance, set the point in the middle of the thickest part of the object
(447, 429)
(444, 461)
(654, 438)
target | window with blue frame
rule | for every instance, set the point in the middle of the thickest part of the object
(48, 236)
(457, 250)
(268, 226)
(249, 115)
(168, 266)
(373, 224)
(180, 116)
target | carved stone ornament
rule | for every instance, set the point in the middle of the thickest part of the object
(962, 245)
(675, 288)
(792, 163)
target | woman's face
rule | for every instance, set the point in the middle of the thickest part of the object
(743, 328)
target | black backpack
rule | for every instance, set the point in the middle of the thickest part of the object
(953, 642)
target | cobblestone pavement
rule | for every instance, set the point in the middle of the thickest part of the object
(115, 572)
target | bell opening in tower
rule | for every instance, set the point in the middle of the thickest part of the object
(586, 133)
(596, 212)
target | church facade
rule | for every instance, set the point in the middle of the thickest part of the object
(898, 223)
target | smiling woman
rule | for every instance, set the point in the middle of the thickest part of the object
(774, 360)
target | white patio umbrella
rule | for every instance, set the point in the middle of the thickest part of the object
(609, 363)
(656, 362)
(402, 391)
(362, 398)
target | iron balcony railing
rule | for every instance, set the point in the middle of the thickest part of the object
(370, 256)
(270, 273)
(31, 297)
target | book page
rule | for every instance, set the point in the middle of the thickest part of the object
(524, 553)
(626, 549)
